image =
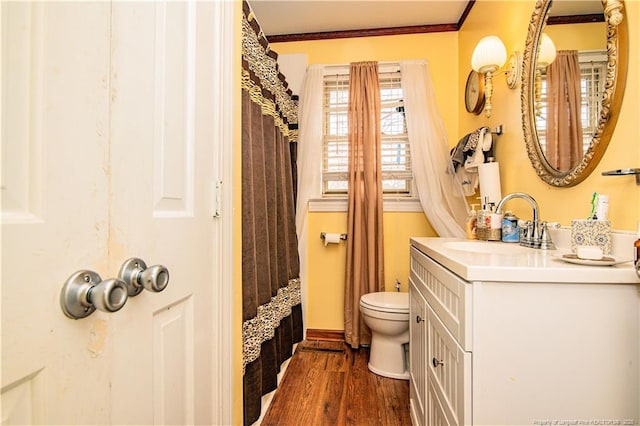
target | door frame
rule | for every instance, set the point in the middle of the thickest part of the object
(224, 83)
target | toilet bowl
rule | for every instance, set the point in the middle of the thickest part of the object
(387, 315)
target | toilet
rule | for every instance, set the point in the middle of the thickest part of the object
(387, 315)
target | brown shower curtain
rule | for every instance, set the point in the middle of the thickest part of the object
(365, 258)
(271, 303)
(564, 148)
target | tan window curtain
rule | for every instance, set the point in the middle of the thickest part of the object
(564, 126)
(365, 259)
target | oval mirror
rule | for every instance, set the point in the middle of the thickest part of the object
(564, 153)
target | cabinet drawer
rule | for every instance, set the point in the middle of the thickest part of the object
(448, 376)
(447, 294)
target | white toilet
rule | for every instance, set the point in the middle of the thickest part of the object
(387, 315)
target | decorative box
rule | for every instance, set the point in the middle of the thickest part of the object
(587, 232)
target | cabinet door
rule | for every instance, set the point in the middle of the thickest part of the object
(448, 375)
(438, 414)
(417, 354)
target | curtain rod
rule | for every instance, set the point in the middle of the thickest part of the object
(344, 68)
(395, 63)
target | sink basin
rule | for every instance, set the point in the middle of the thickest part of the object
(486, 247)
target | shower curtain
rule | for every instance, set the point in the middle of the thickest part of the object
(271, 303)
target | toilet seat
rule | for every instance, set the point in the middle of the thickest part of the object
(386, 301)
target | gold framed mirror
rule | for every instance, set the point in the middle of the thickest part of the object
(612, 91)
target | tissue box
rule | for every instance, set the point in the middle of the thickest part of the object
(591, 233)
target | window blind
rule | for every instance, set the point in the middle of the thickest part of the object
(394, 141)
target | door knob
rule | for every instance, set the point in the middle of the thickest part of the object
(84, 292)
(137, 276)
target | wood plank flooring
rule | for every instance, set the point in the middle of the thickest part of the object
(328, 383)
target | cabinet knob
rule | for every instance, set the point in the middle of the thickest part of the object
(418, 319)
(436, 362)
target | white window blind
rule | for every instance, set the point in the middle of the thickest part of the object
(592, 78)
(395, 154)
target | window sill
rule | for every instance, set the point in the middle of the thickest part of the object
(340, 205)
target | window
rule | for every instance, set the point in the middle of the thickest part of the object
(395, 155)
(592, 78)
(593, 68)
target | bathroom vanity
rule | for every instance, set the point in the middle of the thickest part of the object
(507, 335)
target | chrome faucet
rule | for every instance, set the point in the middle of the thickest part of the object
(531, 235)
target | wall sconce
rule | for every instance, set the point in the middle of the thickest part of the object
(546, 55)
(488, 57)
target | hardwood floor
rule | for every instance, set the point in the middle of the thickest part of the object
(328, 383)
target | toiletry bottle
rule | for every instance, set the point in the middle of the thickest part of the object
(602, 207)
(636, 251)
(510, 229)
(495, 225)
(470, 224)
(481, 222)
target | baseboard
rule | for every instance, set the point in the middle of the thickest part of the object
(326, 335)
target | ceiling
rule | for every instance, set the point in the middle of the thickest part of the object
(278, 17)
(312, 16)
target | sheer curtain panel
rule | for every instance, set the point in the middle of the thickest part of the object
(441, 196)
(309, 153)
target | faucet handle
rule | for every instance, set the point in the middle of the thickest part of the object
(525, 233)
(545, 238)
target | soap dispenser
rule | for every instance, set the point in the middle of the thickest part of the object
(483, 221)
(471, 223)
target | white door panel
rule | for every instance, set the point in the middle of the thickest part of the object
(109, 114)
(54, 208)
(156, 217)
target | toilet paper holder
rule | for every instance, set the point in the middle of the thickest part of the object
(342, 236)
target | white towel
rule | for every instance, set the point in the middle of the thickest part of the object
(485, 140)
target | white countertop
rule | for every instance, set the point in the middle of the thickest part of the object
(523, 265)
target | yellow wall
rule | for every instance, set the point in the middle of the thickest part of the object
(589, 36)
(326, 269)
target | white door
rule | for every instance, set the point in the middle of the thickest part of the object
(109, 151)
(163, 175)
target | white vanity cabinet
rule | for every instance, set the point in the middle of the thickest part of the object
(492, 352)
(440, 387)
